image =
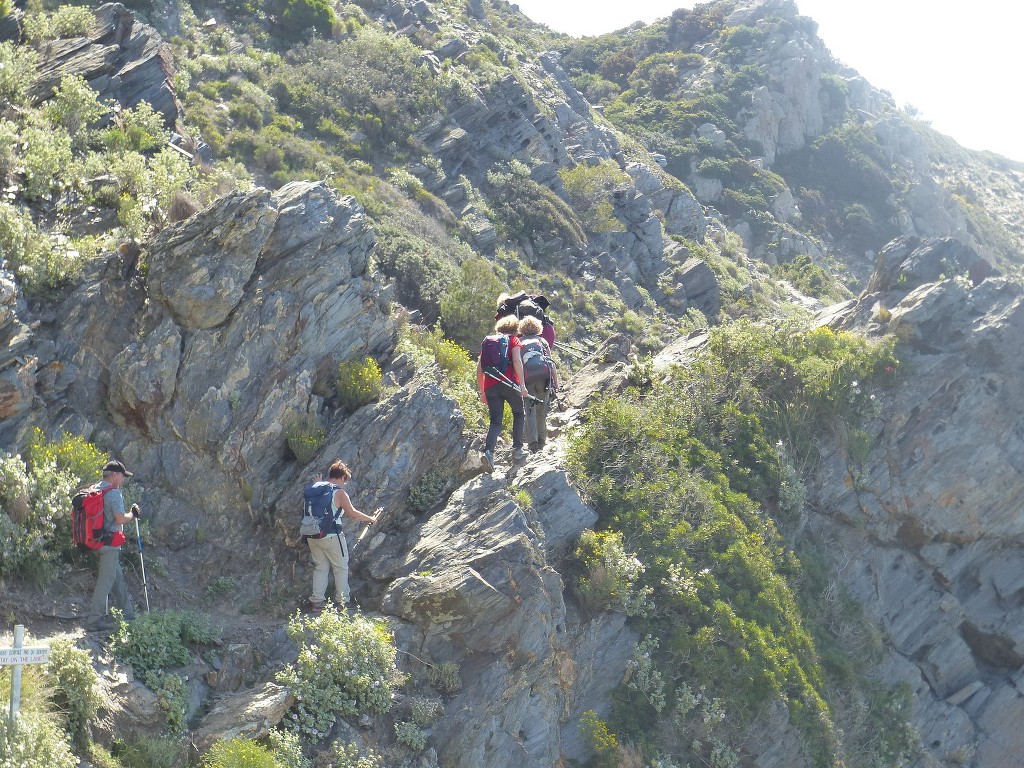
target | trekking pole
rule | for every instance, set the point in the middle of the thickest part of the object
(376, 517)
(142, 563)
(506, 380)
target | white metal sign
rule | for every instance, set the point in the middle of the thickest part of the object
(10, 656)
(16, 657)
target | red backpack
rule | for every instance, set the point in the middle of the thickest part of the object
(87, 517)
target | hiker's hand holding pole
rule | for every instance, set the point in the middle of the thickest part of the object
(370, 521)
(136, 512)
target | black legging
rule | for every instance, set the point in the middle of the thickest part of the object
(497, 396)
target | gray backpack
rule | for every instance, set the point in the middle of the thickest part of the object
(537, 363)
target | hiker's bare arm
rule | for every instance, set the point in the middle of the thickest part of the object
(120, 516)
(344, 503)
(517, 366)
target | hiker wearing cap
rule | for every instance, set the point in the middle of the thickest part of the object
(329, 550)
(502, 382)
(110, 579)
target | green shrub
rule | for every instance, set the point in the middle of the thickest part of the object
(812, 279)
(347, 756)
(47, 159)
(148, 752)
(429, 490)
(611, 575)
(74, 683)
(301, 16)
(590, 188)
(73, 107)
(411, 736)
(305, 436)
(169, 175)
(140, 128)
(287, 749)
(358, 383)
(35, 527)
(9, 154)
(467, 305)
(39, 262)
(455, 368)
(17, 72)
(34, 741)
(239, 752)
(445, 677)
(679, 468)
(425, 711)
(160, 640)
(530, 212)
(346, 666)
(172, 696)
(420, 263)
(65, 21)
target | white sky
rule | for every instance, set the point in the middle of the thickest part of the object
(958, 62)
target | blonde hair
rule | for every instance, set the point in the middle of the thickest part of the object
(530, 326)
(502, 298)
(508, 324)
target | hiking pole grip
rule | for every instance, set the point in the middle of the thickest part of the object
(366, 528)
(142, 563)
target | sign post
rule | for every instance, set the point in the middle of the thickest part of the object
(16, 657)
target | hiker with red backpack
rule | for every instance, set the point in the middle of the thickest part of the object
(328, 501)
(106, 540)
(499, 373)
(541, 380)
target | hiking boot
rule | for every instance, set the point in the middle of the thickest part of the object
(317, 606)
(102, 624)
(520, 454)
(487, 461)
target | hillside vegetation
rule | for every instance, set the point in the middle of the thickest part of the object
(487, 154)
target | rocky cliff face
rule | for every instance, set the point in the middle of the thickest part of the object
(926, 530)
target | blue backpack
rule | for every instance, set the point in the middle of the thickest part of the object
(317, 503)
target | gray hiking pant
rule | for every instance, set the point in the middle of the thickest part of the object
(536, 430)
(110, 581)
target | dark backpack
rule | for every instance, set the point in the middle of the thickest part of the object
(527, 308)
(537, 363)
(494, 353)
(317, 502)
(87, 518)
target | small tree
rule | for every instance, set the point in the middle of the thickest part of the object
(300, 16)
(468, 305)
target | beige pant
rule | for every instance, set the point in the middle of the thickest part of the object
(329, 553)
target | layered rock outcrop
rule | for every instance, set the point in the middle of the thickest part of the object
(122, 59)
(927, 531)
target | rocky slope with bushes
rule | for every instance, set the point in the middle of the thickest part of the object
(775, 522)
